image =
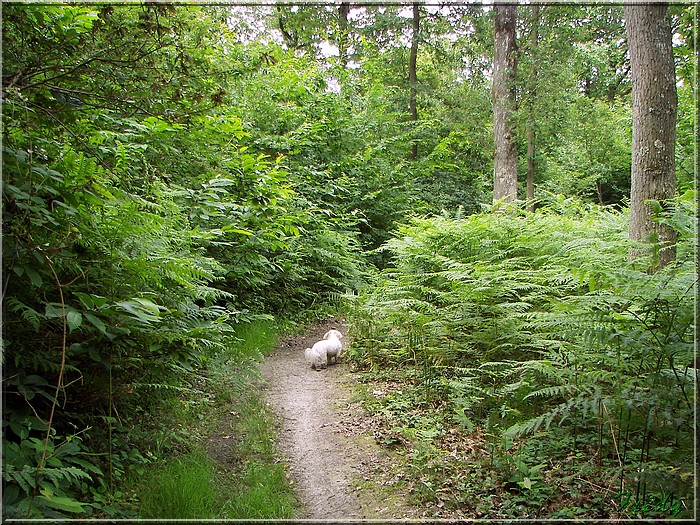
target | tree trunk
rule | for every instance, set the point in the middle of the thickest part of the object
(505, 162)
(413, 74)
(343, 12)
(289, 39)
(530, 181)
(653, 124)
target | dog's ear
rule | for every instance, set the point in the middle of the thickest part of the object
(326, 335)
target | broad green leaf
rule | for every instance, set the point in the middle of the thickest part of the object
(34, 277)
(91, 301)
(234, 229)
(86, 299)
(53, 310)
(94, 354)
(142, 309)
(62, 503)
(10, 493)
(96, 322)
(74, 319)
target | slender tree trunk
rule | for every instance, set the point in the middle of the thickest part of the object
(413, 74)
(653, 123)
(343, 12)
(599, 191)
(505, 162)
(530, 181)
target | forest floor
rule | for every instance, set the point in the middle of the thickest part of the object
(336, 466)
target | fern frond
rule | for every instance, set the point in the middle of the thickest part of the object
(28, 314)
(554, 391)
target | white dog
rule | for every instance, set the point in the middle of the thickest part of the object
(317, 360)
(334, 347)
(329, 347)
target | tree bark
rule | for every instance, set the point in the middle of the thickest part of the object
(530, 180)
(505, 162)
(413, 74)
(343, 12)
(653, 124)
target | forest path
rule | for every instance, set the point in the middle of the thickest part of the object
(332, 461)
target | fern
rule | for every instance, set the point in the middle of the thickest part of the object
(28, 314)
(558, 391)
(547, 325)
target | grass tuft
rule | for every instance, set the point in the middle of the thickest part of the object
(192, 485)
(184, 487)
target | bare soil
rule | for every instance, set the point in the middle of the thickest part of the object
(338, 469)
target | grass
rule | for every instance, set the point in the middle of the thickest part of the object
(262, 493)
(184, 487)
(261, 489)
(191, 485)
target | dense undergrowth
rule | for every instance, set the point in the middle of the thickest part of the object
(250, 482)
(536, 363)
(140, 233)
(167, 183)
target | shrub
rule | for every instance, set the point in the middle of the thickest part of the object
(533, 320)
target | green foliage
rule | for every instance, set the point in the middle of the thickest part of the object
(184, 488)
(250, 482)
(592, 157)
(53, 486)
(101, 291)
(166, 182)
(137, 232)
(518, 323)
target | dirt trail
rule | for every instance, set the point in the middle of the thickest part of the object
(331, 463)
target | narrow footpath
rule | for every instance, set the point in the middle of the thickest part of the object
(337, 467)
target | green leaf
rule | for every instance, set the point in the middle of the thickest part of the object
(19, 429)
(10, 494)
(61, 502)
(91, 301)
(142, 309)
(96, 322)
(233, 229)
(34, 277)
(95, 354)
(53, 310)
(86, 299)
(74, 319)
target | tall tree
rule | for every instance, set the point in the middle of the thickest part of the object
(413, 73)
(530, 181)
(653, 124)
(505, 163)
(343, 12)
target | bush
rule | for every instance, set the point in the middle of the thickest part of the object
(528, 321)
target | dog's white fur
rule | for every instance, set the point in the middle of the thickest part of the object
(317, 360)
(334, 347)
(329, 347)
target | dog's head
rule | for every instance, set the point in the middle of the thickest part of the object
(333, 333)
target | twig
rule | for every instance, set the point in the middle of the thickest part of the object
(612, 432)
